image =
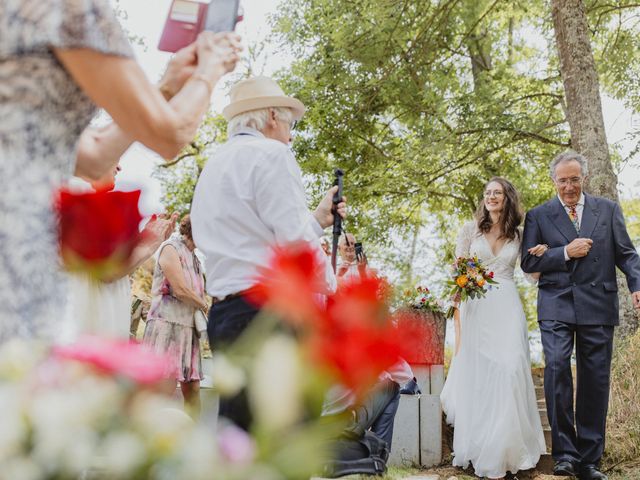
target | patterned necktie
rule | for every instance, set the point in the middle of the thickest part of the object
(573, 215)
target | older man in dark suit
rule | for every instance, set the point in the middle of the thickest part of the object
(578, 302)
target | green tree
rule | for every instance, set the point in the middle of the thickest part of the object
(179, 176)
(421, 102)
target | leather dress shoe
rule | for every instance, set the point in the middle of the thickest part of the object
(591, 472)
(564, 469)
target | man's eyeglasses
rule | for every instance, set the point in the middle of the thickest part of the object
(293, 125)
(573, 181)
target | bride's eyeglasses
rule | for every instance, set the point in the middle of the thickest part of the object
(493, 193)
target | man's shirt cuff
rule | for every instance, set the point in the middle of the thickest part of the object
(318, 230)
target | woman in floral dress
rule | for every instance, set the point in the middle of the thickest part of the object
(178, 293)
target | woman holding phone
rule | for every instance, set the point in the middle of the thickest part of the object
(59, 61)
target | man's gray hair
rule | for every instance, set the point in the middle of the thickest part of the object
(343, 239)
(257, 119)
(569, 156)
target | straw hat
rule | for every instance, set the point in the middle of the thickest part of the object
(260, 92)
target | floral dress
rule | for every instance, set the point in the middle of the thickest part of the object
(170, 322)
(42, 114)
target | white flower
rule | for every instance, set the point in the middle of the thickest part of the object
(21, 468)
(228, 378)
(13, 430)
(18, 358)
(161, 422)
(276, 378)
(80, 454)
(199, 456)
(123, 452)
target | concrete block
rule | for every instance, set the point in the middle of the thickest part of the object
(405, 446)
(436, 379)
(423, 376)
(430, 430)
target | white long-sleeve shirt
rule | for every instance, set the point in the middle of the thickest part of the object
(250, 198)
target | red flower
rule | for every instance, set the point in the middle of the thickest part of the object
(490, 274)
(358, 339)
(289, 285)
(98, 231)
(354, 339)
(118, 358)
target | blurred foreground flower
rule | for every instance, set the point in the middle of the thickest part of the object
(355, 338)
(118, 358)
(69, 415)
(290, 285)
(98, 231)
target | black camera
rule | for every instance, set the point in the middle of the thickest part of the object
(359, 252)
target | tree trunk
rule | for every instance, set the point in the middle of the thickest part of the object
(584, 112)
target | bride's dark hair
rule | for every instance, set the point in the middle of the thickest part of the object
(511, 215)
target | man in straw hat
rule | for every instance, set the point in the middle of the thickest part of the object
(248, 199)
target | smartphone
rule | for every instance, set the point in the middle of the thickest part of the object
(222, 15)
(187, 18)
(358, 248)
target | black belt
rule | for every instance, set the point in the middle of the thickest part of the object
(231, 296)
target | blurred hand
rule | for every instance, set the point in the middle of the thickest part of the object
(180, 68)
(324, 213)
(160, 227)
(579, 247)
(636, 299)
(217, 53)
(538, 250)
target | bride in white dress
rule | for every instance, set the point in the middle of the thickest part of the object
(489, 396)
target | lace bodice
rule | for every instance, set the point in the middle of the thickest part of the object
(472, 242)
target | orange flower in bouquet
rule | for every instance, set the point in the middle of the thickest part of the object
(469, 279)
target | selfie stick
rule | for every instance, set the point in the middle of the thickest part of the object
(337, 219)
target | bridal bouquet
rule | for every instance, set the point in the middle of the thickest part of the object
(469, 279)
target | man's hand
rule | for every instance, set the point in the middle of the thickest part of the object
(636, 299)
(579, 247)
(323, 213)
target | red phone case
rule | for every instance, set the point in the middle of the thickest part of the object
(185, 21)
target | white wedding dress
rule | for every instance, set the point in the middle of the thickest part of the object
(489, 396)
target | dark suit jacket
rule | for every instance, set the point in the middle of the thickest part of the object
(584, 290)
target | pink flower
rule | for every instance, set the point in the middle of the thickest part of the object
(235, 445)
(118, 358)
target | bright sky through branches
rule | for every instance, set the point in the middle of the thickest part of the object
(146, 19)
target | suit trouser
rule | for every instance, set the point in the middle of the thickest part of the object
(377, 411)
(227, 321)
(577, 438)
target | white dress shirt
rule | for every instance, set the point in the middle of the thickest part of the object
(579, 210)
(250, 198)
